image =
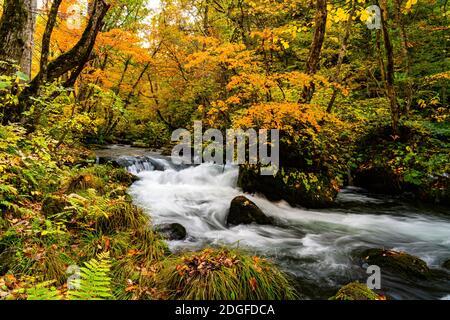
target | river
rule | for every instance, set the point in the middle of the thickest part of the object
(316, 247)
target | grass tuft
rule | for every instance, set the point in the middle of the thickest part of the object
(223, 274)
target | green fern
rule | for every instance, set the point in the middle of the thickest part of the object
(43, 291)
(94, 283)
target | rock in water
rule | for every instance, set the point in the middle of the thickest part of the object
(171, 231)
(356, 291)
(244, 211)
(400, 263)
(446, 264)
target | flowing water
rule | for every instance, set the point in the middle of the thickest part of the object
(316, 247)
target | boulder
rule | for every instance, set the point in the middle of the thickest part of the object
(171, 231)
(356, 291)
(446, 264)
(140, 144)
(400, 263)
(244, 211)
(53, 204)
(310, 190)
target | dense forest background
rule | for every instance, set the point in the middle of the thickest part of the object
(354, 104)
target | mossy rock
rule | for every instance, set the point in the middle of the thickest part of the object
(140, 144)
(356, 291)
(53, 204)
(121, 175)
(84, 181)
(307, 189)
(244, 211)
(400, 263)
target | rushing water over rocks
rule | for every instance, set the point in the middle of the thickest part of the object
(317, 247)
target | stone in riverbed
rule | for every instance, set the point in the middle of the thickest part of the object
(171, 231)
(446, 264)
(244, 211)
(400, 263)
(356, 291)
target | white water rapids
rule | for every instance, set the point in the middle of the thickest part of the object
(315, 246)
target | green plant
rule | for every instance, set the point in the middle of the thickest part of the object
(223, 274)
(94, 284)
(44, 291)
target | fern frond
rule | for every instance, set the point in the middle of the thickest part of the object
(43, 291)
(95, 283)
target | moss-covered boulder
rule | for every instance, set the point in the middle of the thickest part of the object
(308, 189)
(83, 181)
(53, 204)
(414, 161)
(356, 291)
(244, 211)
(400, 263)
(121, 175)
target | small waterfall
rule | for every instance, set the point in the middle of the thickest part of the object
(143, 163)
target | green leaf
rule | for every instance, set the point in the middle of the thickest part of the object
(22, 76)
(4, 85)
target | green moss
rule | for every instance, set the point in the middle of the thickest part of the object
(296, 186)
(356, 291)
(414, 161)
(53, 204)
(83, 181)
(401, 263)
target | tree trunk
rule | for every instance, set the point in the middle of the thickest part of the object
(320, 21)
(342, 52)
(13, 34)
(405, 54)
(75, 58)
(389, 80)
(45, 47)
(27, 59)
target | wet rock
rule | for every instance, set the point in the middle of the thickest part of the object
(171, 231)
(121, 175)
(140, 144)
(292, 185)
(400, 263)
(244, 211)
(446, 264)
(356, 291)
(108, 160)
(53, 204)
